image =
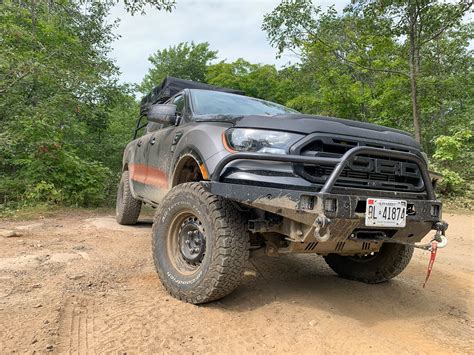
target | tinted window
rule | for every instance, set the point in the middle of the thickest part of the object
(179, 102)
(207, 102)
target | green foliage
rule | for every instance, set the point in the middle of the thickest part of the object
(68, 179)
(356, 65)
(256, 80)
(139, 6)
(453, 158)
(454, 147)
(345, 70)
(452, 182)
(64, 119)
(61, 107)
(185, 61)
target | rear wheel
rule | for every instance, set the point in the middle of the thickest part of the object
(127, 208)
(200, 244)
(377, 267)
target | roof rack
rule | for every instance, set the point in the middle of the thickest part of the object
(171, 86)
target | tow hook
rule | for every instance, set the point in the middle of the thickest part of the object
(321, 228)
(439, 237)
(439, 241)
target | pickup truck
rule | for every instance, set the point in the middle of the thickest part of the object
(232, 176)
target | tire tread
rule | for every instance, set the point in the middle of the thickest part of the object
(393, 259)
(231, 246)
(128, 211)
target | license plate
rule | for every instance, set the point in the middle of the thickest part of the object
(385, 213)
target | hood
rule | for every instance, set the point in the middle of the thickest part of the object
(307, 124)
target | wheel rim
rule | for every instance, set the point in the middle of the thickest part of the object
(186, 242)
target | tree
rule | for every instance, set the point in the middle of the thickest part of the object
(371, 36)
(186, 61)
(59, 97)
(134, 6)
(343, 69)
(256, 80)
(417, 23)
(452, 151)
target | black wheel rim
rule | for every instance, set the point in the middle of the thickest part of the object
(186, 242)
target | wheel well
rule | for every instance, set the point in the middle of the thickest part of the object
(187, 170)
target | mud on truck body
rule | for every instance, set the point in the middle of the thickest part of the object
(231, 175)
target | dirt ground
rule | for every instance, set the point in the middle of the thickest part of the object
(80, 283)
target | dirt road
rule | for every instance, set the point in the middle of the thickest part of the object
(83, 284)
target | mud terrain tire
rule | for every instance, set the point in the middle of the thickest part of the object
(390, 261)
(127, 208)
(212, 267)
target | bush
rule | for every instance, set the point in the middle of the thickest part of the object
(451, 183)
(61, 177)
(453, 159)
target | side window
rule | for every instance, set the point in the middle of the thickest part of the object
(179, 102)
(153, 126)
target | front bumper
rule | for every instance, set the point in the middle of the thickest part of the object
(345, 211)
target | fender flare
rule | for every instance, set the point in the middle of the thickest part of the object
(132, 190)
(189, 152)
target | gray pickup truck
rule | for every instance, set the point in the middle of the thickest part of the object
(232, 176)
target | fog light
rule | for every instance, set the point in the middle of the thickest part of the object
(434, 210)
(307, 202)
(330, 205)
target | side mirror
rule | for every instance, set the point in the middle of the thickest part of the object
(162, 113)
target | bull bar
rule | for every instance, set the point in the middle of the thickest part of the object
(339, 163)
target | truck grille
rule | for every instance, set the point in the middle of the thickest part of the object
(364, 171)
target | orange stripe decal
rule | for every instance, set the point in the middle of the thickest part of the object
(204, 173)
(137, 172)
(148, 175)
(226, 145)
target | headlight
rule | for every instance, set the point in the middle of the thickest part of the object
(261, 141)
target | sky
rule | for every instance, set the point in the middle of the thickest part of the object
(233, 27)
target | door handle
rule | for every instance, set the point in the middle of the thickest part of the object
(153, 141)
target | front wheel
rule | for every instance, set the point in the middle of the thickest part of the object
(200, 244)
(376, 267)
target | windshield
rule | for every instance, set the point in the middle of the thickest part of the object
(206, 102)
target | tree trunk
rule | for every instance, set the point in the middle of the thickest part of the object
(414, 96)
(33, 17)
(414, 70)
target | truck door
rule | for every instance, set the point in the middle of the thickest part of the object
(159, 156)
(137, 166)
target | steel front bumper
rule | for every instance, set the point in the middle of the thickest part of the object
(344, 212)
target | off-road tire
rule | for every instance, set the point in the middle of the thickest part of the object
(225, 238)
(127, 208)
(390, 261)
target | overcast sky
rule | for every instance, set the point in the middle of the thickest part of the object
(233, 27)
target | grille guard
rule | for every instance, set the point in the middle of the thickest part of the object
(339, 163)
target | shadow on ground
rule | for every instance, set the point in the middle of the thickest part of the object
(306, 280)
